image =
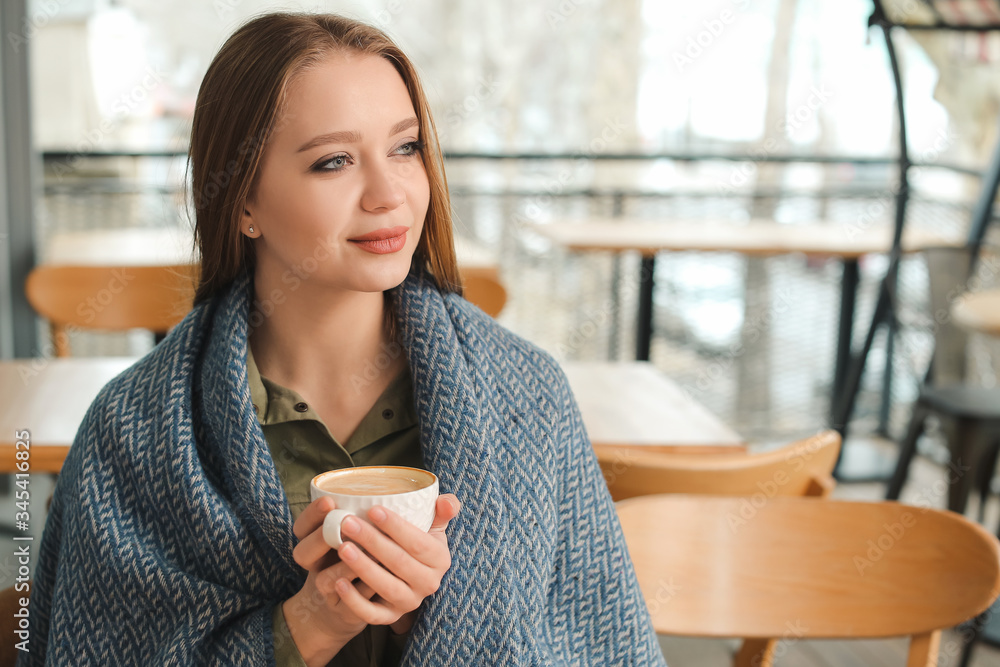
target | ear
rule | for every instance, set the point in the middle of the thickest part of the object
(247, 224)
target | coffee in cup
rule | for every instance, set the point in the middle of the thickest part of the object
(410, 492)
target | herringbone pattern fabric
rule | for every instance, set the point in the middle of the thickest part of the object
(170, 539)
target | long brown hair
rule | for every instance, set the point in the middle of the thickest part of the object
(240, 103)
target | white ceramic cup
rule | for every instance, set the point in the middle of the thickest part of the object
(416, 506)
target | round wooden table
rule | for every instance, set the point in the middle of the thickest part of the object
(978, 312)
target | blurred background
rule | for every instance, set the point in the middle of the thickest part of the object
(556, 110)
(537, 103)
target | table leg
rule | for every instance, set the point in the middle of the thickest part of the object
(848, 297)
(865, 463)
(886, 406)
(644, 324)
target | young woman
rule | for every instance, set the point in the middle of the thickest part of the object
(329, 330)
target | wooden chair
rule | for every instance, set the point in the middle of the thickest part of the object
(110, 298)
(795, 568)
(485, 292)
(802, 468)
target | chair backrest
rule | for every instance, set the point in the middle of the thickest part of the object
(712, 566)
(485, 292)
(110, 297)
(802, 468)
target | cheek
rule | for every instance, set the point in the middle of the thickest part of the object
(421, 192)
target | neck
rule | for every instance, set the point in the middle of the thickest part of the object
(322, 338)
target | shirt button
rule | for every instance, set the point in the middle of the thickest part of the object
(387, 414)
(301, 407)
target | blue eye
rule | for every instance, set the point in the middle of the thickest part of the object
(336, 163)
(411, 148)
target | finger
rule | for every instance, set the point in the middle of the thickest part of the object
(408, 546)
(373, 613)
(326, 579)
(383, 547)
(390, 588)
(446, 509)
(313, 553)
(364, 589)
(312, 516)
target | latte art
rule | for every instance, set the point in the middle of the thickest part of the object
(375, 482)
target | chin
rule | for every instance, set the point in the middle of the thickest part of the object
(382, 278)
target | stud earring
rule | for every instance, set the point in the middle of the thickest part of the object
(251, 229)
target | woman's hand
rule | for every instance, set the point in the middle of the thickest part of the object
(348, 590)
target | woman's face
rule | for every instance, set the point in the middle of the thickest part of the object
(342, 191)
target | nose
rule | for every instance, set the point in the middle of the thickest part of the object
(382, 189)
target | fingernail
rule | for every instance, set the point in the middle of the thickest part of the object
(350, 526)
(377, 514)
(348, 553)
(342, 585)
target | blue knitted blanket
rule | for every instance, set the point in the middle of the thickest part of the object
(169, 539)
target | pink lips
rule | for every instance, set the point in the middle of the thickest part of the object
(382, 241)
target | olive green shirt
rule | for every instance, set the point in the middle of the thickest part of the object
(302, 447)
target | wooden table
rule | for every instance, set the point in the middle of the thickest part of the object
(978, 312)
(758, 238)
(48, 398)
(632, 405)
(623, 405)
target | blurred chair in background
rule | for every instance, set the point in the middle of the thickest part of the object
(802, 468)
(970, 415)
(113, 298)
(485, 292)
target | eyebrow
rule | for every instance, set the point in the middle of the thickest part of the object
(353, 136)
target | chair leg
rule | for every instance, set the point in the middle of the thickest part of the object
(972, 638)
(756, 653)
(60, 341)
(906, 451)
(985, 476)
(966, 455)
(924, 649)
